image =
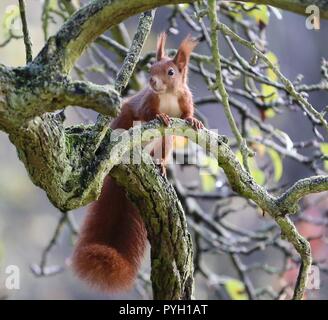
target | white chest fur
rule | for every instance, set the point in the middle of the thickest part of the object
(169, 104)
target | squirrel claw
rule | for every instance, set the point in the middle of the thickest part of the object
(162, 169)
(195, 123)
(164, 118)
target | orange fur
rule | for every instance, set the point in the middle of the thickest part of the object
(113, 238)
(160, 50)
(183, 55)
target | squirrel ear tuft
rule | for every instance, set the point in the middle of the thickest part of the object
(160, 51)
(183, 55)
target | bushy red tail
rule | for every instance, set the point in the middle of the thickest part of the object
(112, 241)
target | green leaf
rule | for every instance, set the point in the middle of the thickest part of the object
(274, 60)
(259, 14)
(255, 132)
(277, 164)
(11, 14)
(270, 113)
(236, 289)
(182, 6)
(208, 173)
(270, 93)
(237, 16)
(324, 150)
(210, 163)
(239, 157)
(53, 4)
(208, 182)
(273, 154)
(256, 173)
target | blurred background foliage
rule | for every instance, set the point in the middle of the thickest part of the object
(28, 220)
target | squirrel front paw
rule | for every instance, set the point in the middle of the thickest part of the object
(164, 118)
(195, 123)
(160, 164)
(162, 170)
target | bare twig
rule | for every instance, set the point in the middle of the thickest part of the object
(27, 39)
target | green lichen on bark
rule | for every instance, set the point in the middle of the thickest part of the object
(71, 163)
(171, 244)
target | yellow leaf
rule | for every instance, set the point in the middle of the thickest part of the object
(11, 14)
(180, 142)
(235, 13)
(259, 14)
(324, 150)
(277, 164)
(270, 93)
(257, 174)
(208, 182)
(211, 164)
(182, 6)
(270, 113)
(236, 289)
(236, 16)
(239, 157)
(208, 173)
(255, 132)
(274, 60)
(53, 5)
(259, 148)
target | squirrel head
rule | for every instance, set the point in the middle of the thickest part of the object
(170, 75)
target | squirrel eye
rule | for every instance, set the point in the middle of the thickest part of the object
(170, 72)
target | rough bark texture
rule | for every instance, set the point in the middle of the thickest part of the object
(171, 243)
(71, 163)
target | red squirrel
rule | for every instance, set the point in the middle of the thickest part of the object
(113, 237)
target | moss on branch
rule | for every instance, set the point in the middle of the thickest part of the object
(64, 162)
(87, 24)
(171, 243)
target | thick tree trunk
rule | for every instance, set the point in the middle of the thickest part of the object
(71, 163)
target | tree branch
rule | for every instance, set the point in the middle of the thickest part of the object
(102, 99)
(308, 108)
(92, 20)
(297, 6)
(219, 85)
(300, 189)
(86, 25)
(171, 243)
(50, 92)
(117, 146)
(302, 246)
(71, 170)
(27, 39)
(131, 59)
